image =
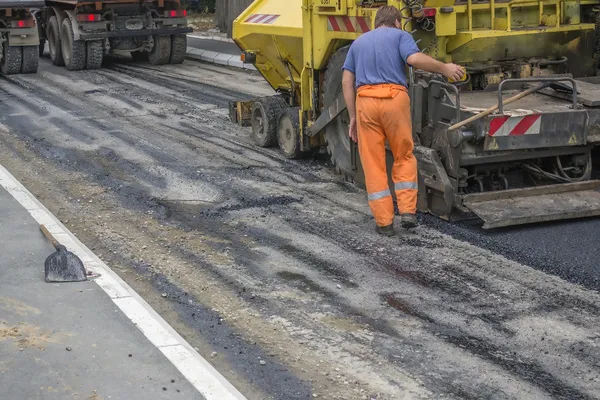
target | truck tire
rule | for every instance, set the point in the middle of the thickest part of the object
(161, 52)
(11, 59)
(336, 133)
(95, 53)
(54, 45)
(264, 118)
(288, 133)
(178, 49)
(73, 51)
(31, 57)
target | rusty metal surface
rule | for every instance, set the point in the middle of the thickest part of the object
(478, 101)
(534, 205)
(589, 93)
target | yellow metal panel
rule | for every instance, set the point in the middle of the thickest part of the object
(445, 24)
(330, 7)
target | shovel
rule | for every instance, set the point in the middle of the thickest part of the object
(62, 265)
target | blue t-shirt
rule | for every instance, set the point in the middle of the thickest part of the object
(379, 56)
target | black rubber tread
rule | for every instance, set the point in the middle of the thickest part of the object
(73, 50)
(54, 42)
(30, 61)
(270, 108)
(336, 133)
(11, 59)
(178, 48)
(161, 52)
(139, 56)
(95, 54)
(289, 140)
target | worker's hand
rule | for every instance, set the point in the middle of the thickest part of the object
(353, 130)
(453, 72)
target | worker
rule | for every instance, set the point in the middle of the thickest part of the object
(375, 89)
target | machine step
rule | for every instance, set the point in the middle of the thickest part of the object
(538, 204)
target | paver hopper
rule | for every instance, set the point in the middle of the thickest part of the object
(512, 144)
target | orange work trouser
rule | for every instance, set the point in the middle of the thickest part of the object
(383, 112)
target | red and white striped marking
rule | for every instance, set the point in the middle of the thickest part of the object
(516, 126)
(348, 24)
(267, 19)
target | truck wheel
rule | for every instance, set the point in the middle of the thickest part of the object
(178, 49)
(264, 118)
(141, 56)
(11, 59)
(73, 51)
(288, 133)
(95, 53)
(54, 45)
(30, 60)
(161, 52)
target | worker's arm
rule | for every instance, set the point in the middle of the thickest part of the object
(348, 84)
(426, 63)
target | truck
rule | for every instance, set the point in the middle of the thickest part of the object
(512, 144)
(81, 33)
(19, 37)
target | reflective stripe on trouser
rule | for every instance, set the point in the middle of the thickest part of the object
(383, 113)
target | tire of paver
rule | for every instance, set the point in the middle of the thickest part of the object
(141, 56)
(288, 133)
(54, 45)
(161, 52)
(264, 119)
(11, 59)
(95, 53)
(73, 51)
(30, 60)
(178, 49)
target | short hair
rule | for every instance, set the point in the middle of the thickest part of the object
(387, 16)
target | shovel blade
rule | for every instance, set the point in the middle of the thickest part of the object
(64, 266)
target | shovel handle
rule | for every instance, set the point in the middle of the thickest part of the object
(48, 235)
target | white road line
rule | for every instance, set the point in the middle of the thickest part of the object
(203, 376)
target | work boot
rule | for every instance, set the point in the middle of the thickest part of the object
(409, 221)
(386, 230)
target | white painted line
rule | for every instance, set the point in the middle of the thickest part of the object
(203, 376)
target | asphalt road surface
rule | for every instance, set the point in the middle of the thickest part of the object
(271, 268)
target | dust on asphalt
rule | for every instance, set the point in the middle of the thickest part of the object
(285, 251)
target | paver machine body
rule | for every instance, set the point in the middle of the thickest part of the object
(513, 143)
(19, 37)
(80, 33)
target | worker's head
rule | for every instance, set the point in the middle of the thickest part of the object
(388, 16)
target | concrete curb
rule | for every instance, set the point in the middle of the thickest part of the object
(197, 370)
(214, 57)
(217, 38)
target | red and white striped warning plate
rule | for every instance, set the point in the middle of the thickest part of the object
(262, 18)
(516, 126)
(348, 24)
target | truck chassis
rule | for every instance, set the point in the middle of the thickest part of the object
(80, 34)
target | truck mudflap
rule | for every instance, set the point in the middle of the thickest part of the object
(538, 204)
